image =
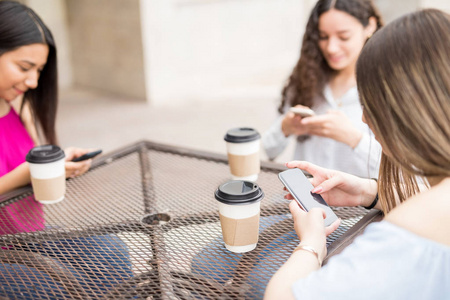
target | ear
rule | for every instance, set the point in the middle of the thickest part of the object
(371, 27)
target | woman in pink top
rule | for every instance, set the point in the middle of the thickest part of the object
(28, 105)
(28, 85)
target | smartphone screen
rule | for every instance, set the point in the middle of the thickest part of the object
(300, 188)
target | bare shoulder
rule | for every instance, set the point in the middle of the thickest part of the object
(426, 214)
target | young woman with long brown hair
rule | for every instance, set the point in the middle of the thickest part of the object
(324, 80)
(403, 78)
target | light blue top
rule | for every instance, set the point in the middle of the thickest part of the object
(386, 262)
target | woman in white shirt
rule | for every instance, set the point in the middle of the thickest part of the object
(403, 80)
(324, 80)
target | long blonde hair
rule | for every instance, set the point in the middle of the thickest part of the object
(403, 76)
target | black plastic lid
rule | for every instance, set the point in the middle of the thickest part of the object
(241, 135)
(45, 154)
(239, 192)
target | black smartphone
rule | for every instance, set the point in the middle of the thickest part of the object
(87, 156)
(300, 188)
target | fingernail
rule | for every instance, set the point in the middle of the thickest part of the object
(317, 190)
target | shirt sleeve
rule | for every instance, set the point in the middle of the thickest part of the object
(273, 140)
(386, 262)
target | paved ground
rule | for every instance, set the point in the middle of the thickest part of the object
(95, 120)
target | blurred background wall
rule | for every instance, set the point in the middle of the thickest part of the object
(175, 51)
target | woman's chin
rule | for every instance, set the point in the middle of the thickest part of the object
(338, 67)
(8, 97)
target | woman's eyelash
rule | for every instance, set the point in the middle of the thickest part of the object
(322, 38)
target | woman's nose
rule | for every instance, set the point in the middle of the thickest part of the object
(32, 80)
(333, 45)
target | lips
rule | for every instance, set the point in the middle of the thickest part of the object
(335, 59)
(18, 91)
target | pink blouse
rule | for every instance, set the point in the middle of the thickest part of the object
(15, 142)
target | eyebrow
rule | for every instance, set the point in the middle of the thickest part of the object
(28, 62)
(339, 32)
(32, 64)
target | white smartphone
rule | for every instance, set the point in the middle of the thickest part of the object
(300, 188)
(302, 112)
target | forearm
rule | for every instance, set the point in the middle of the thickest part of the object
(274, 141)
(299, 265)
(18, 177)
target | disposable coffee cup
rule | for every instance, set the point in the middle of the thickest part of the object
(243, 145)
(239, 210)
(48, 174)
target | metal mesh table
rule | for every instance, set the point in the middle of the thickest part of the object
(158, 200)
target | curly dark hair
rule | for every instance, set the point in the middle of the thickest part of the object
(312, 71)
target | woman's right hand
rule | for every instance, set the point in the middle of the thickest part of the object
(74, 169)
(338, 188)
(292, 124)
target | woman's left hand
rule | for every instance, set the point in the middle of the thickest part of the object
(334, 125)
(312, 232)
(74, 169)
(310, 228)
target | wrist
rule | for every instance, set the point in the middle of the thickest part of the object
(319, 244)
(355, 138)
(313, 250)
(373, 204)
(370, 198)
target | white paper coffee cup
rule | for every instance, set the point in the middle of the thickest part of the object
(239, 211)
(48, 174)
(243, 147)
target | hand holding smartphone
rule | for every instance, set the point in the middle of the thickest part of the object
(302, 112)
(87, 156)
(300, 188)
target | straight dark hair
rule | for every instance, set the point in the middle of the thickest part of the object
(21, 26)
